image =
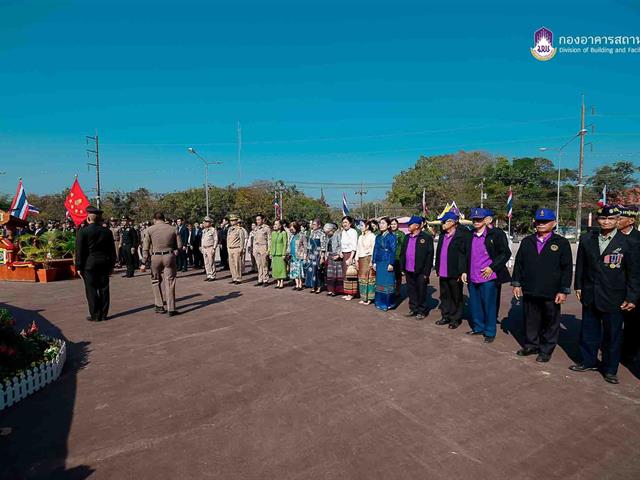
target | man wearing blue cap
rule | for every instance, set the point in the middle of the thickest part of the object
(416, 259)
(542, 278)
(451, 263)
(607, 283)
(487, 267)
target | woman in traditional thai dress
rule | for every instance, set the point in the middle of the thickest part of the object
(400, 239)
(335, 274)
(278, 252)
(316, 251)
(297, 252)
(366, 276)
(384, 258)
(348, 246)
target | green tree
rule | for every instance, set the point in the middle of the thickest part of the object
(617, 177)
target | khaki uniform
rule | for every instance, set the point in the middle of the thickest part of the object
(208, 249)
(117, 238)
(160, 241)
(236, 242)
(261, 248)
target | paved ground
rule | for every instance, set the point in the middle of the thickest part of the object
(262, 384)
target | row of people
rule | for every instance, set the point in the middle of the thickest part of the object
(369, 264)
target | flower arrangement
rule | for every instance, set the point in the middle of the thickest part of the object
(51, 245)
(23, 350)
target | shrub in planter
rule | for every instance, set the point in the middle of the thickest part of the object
(23, 350)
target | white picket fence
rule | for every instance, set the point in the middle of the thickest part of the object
(35, 378)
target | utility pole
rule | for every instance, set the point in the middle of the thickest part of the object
(280, 188)
(482, 193)
(362, 192)
(239, 153)
(582, 133)
(96, 151)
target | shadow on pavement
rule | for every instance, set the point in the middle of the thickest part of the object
(36, 447)
(190, 307)
(148, 307)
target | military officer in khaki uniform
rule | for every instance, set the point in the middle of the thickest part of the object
(117, 237)
(208, 248)
(236, 244)
(261, 248)
(162, 243)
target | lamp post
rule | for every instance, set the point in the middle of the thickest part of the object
(559, 150)
(206, 174)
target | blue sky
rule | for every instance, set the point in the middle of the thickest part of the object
(326, 91)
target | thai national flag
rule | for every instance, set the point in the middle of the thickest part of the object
(603, 198)
(20, 206)
(276, 206)
(345, 208)
(510, 204)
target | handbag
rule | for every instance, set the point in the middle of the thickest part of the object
(352, 271)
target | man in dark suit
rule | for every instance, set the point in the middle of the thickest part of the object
(542, 278)
(95, 260)
(487, 268)
(631, 334)
(416, 260)
(451, 263)
(222, 241)
(607, 283)
(196, 242)
(183, 233)
(129, 242)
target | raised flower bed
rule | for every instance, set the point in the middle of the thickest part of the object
(28, 360)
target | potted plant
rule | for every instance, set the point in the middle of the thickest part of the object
(51, 252)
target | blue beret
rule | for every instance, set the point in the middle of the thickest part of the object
(415, 219)
(545, 214)
(449, 216)
(608, 211)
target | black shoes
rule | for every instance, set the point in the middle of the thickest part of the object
(420, 316)
(489, 339)
(543, 358)
(92, 319)
(524, 352)
(578, 367)
(174, 313)
(411, 314)
(259, 284)
(473, 332)
(454, 325)
(611, 378)
(161, 310)
(443, 321)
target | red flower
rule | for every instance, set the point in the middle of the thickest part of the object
(10, 352)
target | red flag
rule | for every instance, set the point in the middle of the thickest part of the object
(77, 203)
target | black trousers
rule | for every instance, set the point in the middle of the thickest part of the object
(451, 299)
(417, 289)
(541, 324)
(96, 286)
(631, 336)
(129, 259)
(224, 256)
(181, 261)
(397, 269)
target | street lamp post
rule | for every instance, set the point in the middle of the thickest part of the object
(559, 150)
(206, 175)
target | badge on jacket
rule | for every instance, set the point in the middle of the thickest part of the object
(554, 248)
(422, 240)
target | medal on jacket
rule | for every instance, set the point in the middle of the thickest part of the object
(614, 260)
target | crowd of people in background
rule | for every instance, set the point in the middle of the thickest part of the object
(367, 260)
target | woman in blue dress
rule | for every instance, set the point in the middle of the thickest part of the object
(297, 250)
(383, 259)
(316, 250)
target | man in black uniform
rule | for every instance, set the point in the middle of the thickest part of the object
(183, 233)
(542, 278)
(222, 241)
(95, 259)
(129, 241)
(631, 334)
(607, 283)
(416, 259)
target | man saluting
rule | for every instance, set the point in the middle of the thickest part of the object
(95, 259)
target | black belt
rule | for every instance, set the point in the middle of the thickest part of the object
(162, 253)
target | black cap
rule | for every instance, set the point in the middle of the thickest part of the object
(630, 211)
(608, 211)
(125, 217)
(94, 210)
